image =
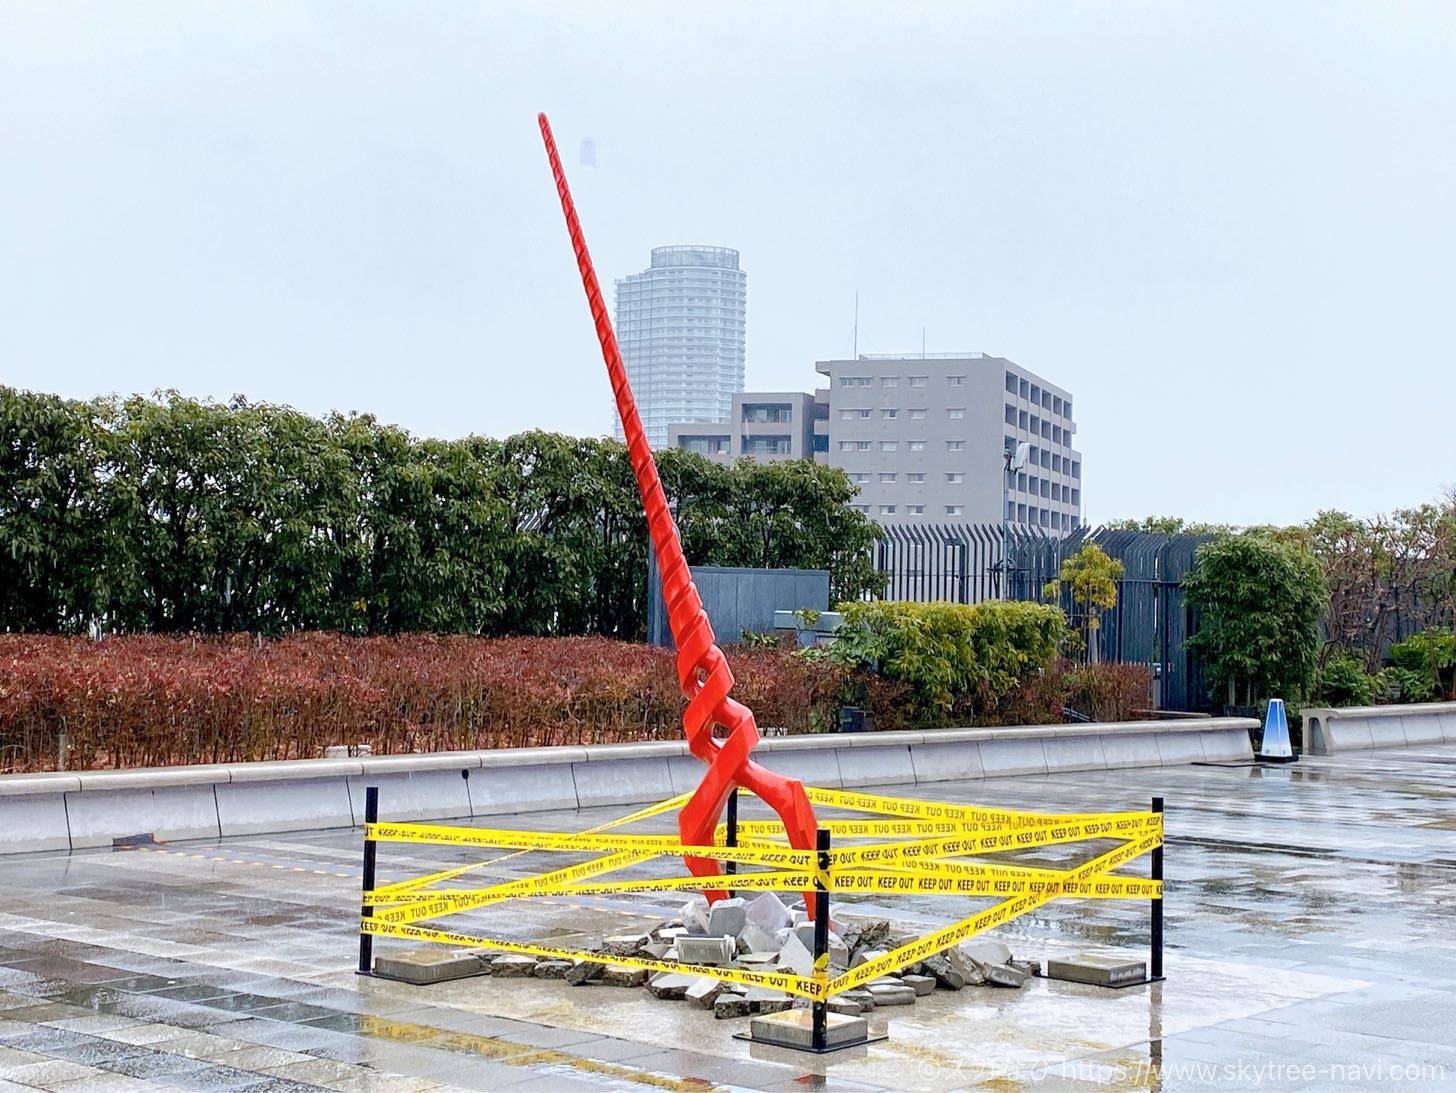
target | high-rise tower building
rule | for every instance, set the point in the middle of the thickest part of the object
(680, 325)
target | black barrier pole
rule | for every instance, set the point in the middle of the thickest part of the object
(1155, 968)
(371, 849)
(821, 940)
(732, 840)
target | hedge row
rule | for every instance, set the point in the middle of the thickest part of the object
(150, 700)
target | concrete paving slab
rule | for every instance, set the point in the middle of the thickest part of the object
(633, 781)
(497, 790)
(947, 762)
(426, 795)
(1386, 732)
(813, 768)
(31, 823)
(1003, 757)
(1312, 899)
(1082, 752)
(1422, 728)
(1179, 748)
(869, 766)
(259, 807)
(169, 813)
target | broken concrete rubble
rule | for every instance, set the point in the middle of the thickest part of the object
(727, 917)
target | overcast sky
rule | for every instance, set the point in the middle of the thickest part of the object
(1229, 229)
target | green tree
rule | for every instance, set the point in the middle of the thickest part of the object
(1260, 603)
(1090, 577)
(60, 556)
(1168, 525)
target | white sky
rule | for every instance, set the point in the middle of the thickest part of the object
(1227, 228)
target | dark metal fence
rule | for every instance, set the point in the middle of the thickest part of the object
(964, 563)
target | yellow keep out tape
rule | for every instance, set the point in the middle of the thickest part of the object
(920, 844)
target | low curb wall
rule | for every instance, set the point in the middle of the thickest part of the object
(1361, 728)
(72, 811)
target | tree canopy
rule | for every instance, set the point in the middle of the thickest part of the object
(167, 515)
(1260, 602)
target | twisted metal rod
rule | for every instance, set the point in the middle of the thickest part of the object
(702, 669)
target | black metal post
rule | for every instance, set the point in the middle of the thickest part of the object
(1155, 967)
(732, 839)
(371, 849)
(821, 940)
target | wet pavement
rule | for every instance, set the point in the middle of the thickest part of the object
(1310, 916)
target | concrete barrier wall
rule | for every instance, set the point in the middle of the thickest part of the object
(1361, 728)
(72, 811)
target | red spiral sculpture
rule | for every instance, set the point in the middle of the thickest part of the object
(702, 669)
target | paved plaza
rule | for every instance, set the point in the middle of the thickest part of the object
(1310, 913)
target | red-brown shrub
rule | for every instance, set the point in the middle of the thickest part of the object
(152, 701)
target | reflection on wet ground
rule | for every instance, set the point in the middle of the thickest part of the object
(1309, 921)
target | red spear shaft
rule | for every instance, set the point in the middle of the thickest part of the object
(702, 669)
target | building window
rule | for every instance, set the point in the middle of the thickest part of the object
(955, 445)
(1057, 406)
(1010, 384)
(1020, 481)
(1025, 387)
(917, 381)
(1067, 406)
(915, 510)
(756, 412)
(887, 510)
(887, 445)
(1057, 463)
(955, 510)
(1046, 459)
(1077, 497)
(1032, 484)
(1035, 395)
(915, 477)
(1046, 430)
(767, 445)
(889, 381)
(1010, 510)
(1021, 514)
(1076, 469)
(1076, 522)
(1056, 434)
(1021, 421)
(956, 381)
(888, 476)
(854, 445)
(1011, 415)
(915, 445)
(860, 508)
(1035, 425)
(917, 415)
(854, 381)
(853, 415)
(860, 478)
(955, 477)
(888, 413)
(956, 414)
(1046, 488)
(704, 445)
(821, 442)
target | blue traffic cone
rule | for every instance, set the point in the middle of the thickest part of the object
(1275, 747)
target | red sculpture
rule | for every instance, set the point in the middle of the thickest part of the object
(701, 667)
